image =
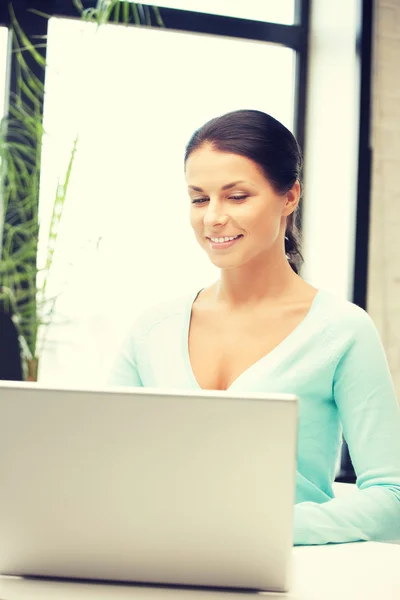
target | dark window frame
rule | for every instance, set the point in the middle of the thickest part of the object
(291, 36)
(360, 277)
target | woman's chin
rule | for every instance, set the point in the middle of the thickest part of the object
(224, 262)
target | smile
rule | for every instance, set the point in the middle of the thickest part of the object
(224, 239)
(223, 242)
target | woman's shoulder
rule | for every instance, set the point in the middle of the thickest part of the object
(346, 330)
(344, 316)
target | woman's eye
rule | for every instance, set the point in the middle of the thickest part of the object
(238, 197)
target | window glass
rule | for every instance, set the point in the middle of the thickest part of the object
(258, 10)
(134, 95)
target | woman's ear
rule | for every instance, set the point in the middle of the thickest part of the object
(292, 199)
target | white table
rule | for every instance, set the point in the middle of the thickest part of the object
(363, 571)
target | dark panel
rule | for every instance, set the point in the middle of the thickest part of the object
(364, 158)
(364, 52)
(302, 17)
(4, 18)
(10, 351)
(300, 100)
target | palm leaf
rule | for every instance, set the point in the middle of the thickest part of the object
(58, 207)
(135, 12)
(25, 40)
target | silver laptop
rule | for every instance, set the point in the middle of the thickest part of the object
(145, 485)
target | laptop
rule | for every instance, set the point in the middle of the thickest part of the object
(148, 486)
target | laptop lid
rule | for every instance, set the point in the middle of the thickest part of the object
(145, 485)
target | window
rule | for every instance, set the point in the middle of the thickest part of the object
(257, 10)
(125, 241)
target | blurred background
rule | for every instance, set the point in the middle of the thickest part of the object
(98, 99)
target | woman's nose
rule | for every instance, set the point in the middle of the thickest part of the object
(215, 215)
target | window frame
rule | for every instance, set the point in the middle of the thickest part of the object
(293, 36)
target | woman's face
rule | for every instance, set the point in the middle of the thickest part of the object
(235, 212)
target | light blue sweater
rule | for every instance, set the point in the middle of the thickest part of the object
(335, 363)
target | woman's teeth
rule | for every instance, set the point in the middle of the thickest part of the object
(224, 239)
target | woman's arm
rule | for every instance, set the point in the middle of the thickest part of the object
(125, 370)
(370, 415)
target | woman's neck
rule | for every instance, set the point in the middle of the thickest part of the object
(249, 286)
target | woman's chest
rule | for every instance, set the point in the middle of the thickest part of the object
(223, 349)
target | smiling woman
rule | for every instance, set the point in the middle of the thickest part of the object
(263, 197)
(261, 328)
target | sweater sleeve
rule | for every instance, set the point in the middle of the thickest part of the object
(125, 371)
(370, 414)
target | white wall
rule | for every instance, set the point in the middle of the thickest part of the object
(383, 301)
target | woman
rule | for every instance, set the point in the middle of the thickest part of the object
(261, 327)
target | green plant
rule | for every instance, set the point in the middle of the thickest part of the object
(117, 11)
(24, 283)
(21, 134)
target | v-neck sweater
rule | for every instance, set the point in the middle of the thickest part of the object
(335, 363)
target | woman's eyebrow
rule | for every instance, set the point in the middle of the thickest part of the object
(224, 187)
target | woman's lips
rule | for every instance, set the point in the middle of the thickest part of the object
(224, 245)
